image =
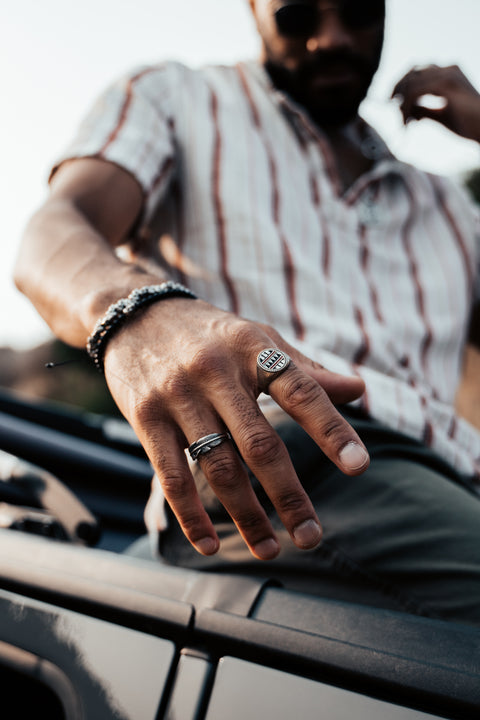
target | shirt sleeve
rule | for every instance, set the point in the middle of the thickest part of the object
(132, 125)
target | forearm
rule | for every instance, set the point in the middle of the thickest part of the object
(70, 272)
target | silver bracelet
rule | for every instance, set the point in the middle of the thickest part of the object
(121, 310)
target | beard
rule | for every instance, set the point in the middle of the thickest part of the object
(331, 85)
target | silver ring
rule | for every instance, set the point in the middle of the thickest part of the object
(207, 443)
(271, 363)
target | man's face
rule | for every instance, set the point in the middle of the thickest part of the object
(323, 53)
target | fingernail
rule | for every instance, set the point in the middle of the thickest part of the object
(266, 549)
(353, 456)
(207, 546)
(308, 534)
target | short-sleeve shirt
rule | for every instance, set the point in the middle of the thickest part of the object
(243, 204)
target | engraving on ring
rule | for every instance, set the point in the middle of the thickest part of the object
(207, 443)
(272, 360)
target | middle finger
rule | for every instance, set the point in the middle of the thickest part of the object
(267, 457)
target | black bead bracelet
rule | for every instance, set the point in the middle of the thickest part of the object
(120, 311)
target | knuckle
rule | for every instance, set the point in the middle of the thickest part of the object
(175, 385)
(144, 410)
(290, 502)
(334, 429)
(150, 407)
(203, 362)
(301, 391)
(175, 485)
(261, 447)
(270, 332)
(222, 471)
(190, 523)
(244, 335)
(250, 521)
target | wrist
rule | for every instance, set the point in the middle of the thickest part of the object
(95, 303)
(120, 312)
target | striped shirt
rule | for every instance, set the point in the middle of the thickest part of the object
(244, 205)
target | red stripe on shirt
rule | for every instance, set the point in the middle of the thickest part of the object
(246, 90)
(428, 434)
(162, 173)
(452, 430)
(365, 265)
(441, 201)
(326, 152)
(179, 231)
(414, 274)
(315, 190)
(124, 109)
(218, 207)
(364, 349)
(288, 264)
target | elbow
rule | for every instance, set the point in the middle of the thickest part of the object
(22, 279)
(21, 275)
(31, 255)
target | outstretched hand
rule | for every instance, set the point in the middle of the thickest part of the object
(460, 109)
(183, 369)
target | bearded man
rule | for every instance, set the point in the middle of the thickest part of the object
(266, 287)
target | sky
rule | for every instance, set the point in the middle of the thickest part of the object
(56, 57)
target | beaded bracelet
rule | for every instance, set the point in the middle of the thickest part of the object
(121, 310)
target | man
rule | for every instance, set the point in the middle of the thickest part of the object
(260, 189)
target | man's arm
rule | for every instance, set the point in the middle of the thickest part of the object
(181, 368)
(66, 265)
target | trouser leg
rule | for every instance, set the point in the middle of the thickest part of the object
(404, 535)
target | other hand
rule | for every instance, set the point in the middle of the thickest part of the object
(460, 110)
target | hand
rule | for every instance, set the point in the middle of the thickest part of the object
(461, 109)
(182, 369)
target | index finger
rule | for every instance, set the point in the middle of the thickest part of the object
(309, 405)
(418, 74)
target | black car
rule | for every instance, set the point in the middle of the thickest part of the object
(87, 630)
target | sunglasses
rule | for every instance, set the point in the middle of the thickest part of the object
(300, 19)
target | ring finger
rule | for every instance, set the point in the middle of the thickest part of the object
(228, 478)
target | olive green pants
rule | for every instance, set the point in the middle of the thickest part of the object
(404, 535)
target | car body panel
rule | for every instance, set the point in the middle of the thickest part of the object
(109, 635)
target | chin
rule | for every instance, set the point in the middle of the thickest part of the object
(333, 116)
(339, 108)
(334, 104)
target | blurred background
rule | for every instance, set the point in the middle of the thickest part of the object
(56, 57)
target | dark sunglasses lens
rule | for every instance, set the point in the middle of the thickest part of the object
(296, 20)
(362, 13)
